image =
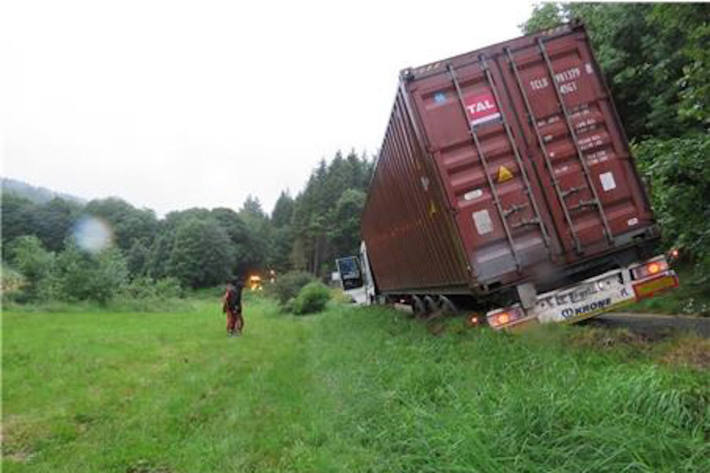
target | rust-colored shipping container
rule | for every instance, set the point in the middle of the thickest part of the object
(503, 166)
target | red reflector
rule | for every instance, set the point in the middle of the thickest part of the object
(654, 286)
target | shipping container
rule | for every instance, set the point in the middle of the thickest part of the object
(503, 168)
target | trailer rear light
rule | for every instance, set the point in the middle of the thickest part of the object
(504, 317)
(649, 269)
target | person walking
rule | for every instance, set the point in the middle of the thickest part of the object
(232, 306)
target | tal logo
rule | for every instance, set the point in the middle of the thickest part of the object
(481, 108)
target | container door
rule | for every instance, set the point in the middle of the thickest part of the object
(490, 187)
(574, 138)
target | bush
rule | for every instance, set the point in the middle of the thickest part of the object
(147, 288)
(81, 275)
(311, 298)
(33, 262)
(678, 170)
(288, 286)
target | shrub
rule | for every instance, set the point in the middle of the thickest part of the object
(81, 275)
(33, 262)
(678, 170)
(311, 298)
(287, 286)
(146, 288)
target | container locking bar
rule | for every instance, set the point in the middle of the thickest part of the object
(514, 147)
(546, 155)
(575, 140)
(484, 163)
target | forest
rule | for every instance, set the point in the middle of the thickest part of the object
(654, 57)
(192, 248)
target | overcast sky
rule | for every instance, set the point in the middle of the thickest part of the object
(172, 104)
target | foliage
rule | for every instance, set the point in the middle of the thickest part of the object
(85, 276)
(322, 229)
(544, 16)
(288, 285)
(12, 280)
(18, 214)
(33, 261)
(202, 247)
(147, 288)
(128, 223)
(310, 299)
(678, 171)
(201, 254)
(53, 222)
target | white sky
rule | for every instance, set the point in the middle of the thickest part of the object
(177, 104)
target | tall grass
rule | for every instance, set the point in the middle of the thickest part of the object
(346, 390)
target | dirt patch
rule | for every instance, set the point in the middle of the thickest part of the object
(689, 351)
(592, 337)
(17, 457)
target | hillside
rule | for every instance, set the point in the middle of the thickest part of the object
(38, 195)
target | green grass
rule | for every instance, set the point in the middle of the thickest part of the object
(347, 390)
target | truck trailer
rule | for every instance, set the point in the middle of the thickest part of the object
(505, 184)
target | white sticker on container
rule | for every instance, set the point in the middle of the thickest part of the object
(474, 194)
(632, 221)
(588, 67)
(608, 182)
(483, 222)
(425, 183)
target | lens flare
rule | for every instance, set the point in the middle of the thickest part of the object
(93, 234)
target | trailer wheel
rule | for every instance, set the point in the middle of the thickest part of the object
(418, 307)
(447, 306)
(431, 305)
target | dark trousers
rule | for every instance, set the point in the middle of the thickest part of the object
(235, 321)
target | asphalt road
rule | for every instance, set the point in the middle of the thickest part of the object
(654, 325)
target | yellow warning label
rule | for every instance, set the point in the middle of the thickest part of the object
(504, 174)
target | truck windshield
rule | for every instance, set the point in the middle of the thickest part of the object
(348, 268)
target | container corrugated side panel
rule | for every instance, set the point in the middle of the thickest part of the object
(411, 241)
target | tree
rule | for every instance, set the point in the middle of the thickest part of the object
(544, 16)
(345, 231)
(258, 224)
(82, 275)
(283, 210)
(18, 215)
(201, 255)
(128, 223)
(247, 250)
(33, 261)
(137, 259)
(54, 222)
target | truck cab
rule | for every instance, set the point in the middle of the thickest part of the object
(353, 273)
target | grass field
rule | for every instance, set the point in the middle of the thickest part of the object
(351, 390)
